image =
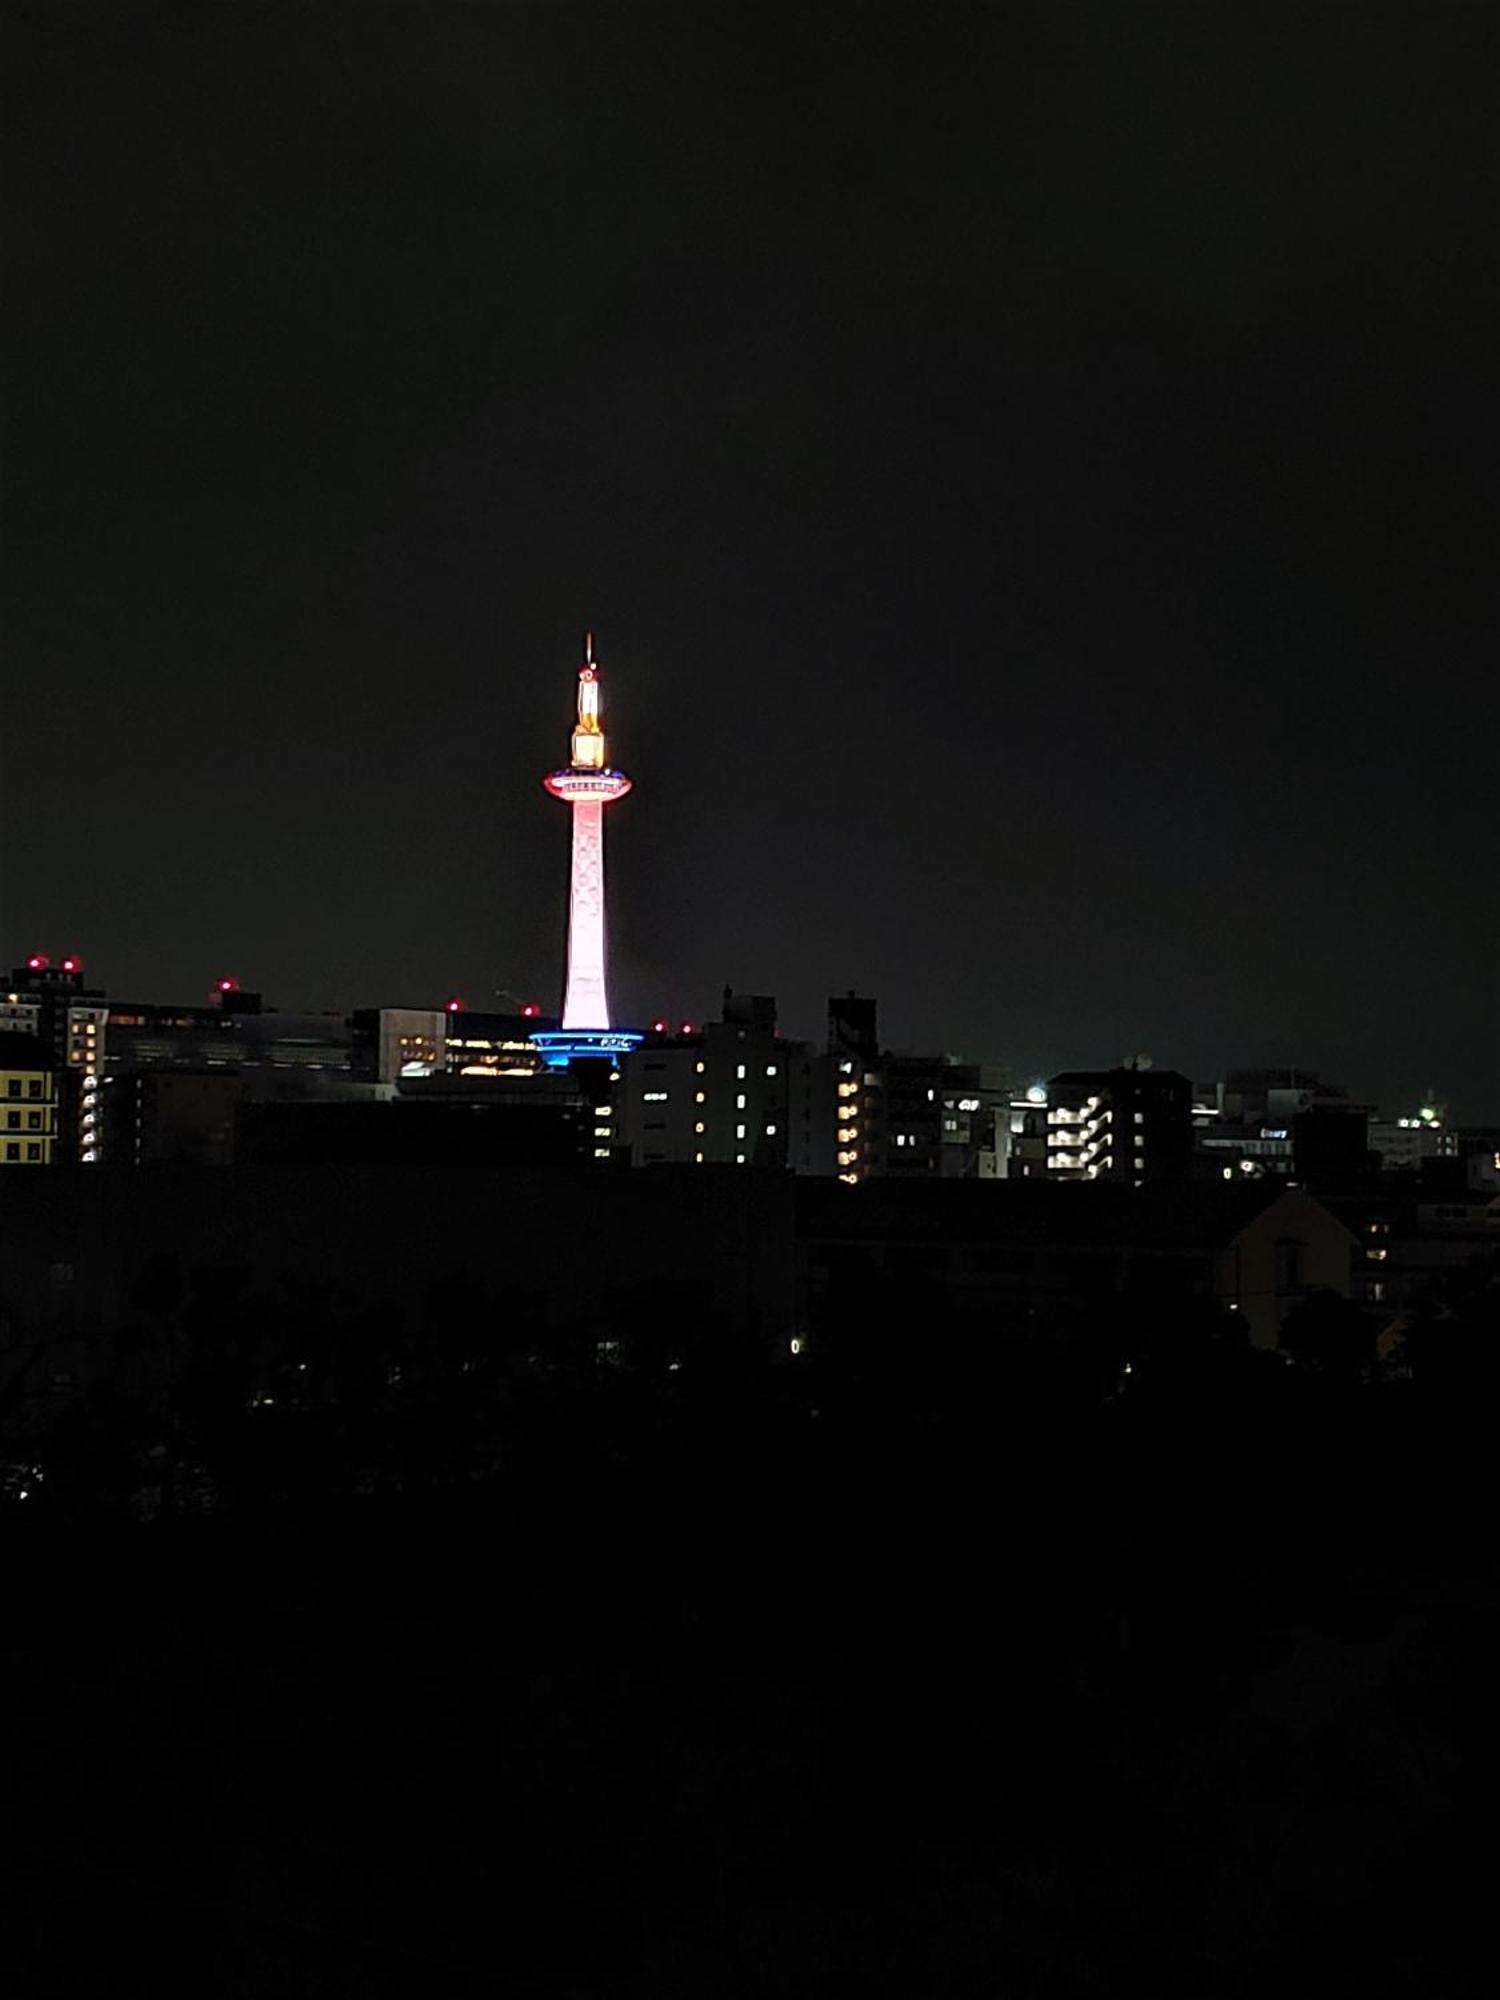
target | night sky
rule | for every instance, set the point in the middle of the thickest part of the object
(1030, 470)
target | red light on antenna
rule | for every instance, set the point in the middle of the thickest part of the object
(36, 963)
(70, 965)
(658, 1027)
(228, 985)
(530, 1011)
(454, 1007)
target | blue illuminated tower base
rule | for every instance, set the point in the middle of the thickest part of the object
(558, 1047)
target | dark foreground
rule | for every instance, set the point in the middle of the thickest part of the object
(866, 1702)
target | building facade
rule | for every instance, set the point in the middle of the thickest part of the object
(1132, 1125)
(51, 1002)
(29, 1096)
(716, 1094)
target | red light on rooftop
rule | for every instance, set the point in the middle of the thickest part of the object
(530, 1011)
(658, 1027)
(454, 1007)
(687, 1027)
(70, 965)
(229, 985)
(36, 963)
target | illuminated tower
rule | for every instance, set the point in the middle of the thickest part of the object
(587, 785)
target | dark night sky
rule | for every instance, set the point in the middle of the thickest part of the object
(1031, 470)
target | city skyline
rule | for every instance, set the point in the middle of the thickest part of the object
(531, 1380)
(1070, 622)
(585, 1025)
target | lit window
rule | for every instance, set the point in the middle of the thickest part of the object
(698, 1159)
(770, 1131)
(740, 1070)
(739, 1159)
(653, 1097)
(739, 1102)
(698, 1067)
(770, 1069)
(699, 1126)
(701, 1097)
(739, 1131)
(1377, 1256)
(1140, 1118)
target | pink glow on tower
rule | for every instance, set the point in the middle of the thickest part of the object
(587, 785)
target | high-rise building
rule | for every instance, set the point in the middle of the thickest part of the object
(737, 1093)
(908, 1117)
(586, 785)
(29, 1094)
(51, 1002)
(715, 1094)
(1132, 1124)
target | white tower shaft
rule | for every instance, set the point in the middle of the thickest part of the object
(586, 1002)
